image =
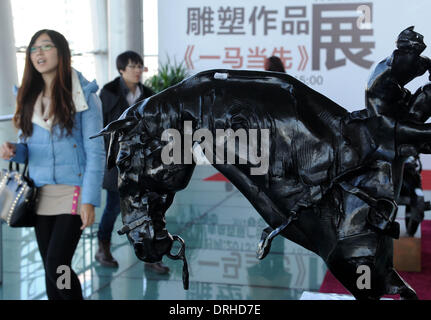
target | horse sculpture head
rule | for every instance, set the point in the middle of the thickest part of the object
(146, 184)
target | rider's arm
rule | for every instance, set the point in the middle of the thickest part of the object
(425, 148)
(426, 63)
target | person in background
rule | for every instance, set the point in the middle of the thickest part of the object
(116, 97)
(57, 111)
(274, 64)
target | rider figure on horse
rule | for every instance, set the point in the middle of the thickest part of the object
(387, 96)
(385, 93)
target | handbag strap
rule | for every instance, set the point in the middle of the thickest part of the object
(25, 172)
(11, 166)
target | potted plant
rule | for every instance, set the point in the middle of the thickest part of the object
(168, 75)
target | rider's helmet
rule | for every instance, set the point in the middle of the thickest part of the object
(410, 40)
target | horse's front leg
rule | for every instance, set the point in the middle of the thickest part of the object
(397, 285)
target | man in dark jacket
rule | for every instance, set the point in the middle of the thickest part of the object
(116, 97)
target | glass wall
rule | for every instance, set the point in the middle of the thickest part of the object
(72, 18)
(151, 50)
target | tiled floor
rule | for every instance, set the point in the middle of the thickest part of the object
(221, 231)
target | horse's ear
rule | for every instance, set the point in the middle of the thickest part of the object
(114, 126)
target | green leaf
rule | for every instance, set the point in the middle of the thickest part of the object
(168, 74)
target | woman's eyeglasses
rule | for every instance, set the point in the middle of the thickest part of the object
(45, 47)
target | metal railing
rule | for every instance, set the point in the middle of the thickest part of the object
(3, 118)
(7, 117)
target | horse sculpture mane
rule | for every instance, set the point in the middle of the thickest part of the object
(329, 186)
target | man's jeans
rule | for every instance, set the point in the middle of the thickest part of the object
(110, 214)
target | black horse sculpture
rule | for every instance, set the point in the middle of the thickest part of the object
(332, 181)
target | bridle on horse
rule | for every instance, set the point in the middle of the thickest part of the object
(146, 221)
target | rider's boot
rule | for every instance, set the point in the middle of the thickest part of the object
(382, 218)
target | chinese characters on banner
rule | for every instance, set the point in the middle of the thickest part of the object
(335, 29)
(233, 21)
(254, 59)
(332, 31)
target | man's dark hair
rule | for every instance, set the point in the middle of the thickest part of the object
(123, 59)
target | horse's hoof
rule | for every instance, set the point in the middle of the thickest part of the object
(263, 250)
(264, 245)
(409, 294)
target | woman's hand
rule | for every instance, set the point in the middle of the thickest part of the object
(87, 215)
(7, 150)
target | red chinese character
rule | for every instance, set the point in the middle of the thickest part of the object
(284, 55)
(256, 58)
(233, 57)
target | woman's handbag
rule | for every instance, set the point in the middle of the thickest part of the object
(17, 197)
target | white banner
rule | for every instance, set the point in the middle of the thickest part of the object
(331, 45)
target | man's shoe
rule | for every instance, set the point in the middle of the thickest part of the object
(104, 256)
(157, 267)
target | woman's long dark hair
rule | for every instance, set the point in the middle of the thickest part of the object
(62, 107)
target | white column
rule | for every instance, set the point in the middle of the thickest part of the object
(99, 16)
(8, 74)
(8, 71)
(125, 30)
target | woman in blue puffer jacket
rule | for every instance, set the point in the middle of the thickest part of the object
(57, 111)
